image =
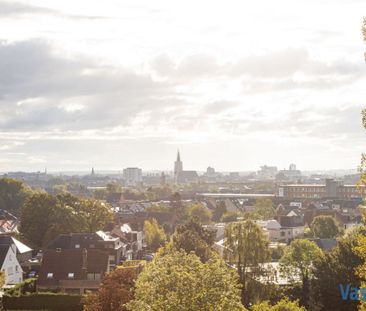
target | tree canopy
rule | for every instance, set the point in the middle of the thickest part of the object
(282, 305)
(336, 267)
(264, 208)
(177, 281)
(297, 262)
(155, 235)
(247, 248)
(192, 237)
(116, 289)
(201, 212)
(13, 194)
(43, 217)
(324, 227)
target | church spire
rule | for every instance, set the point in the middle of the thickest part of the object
(178, 156)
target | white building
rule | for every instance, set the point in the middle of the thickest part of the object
(132, 175)
(10, 264)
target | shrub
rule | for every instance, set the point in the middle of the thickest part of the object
(42, 301)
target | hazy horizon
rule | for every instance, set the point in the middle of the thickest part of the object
(231, 85)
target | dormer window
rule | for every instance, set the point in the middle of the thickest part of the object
(71, 275)
(49, 275)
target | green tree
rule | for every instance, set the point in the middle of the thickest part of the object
(247, 248)
(324, 227)
(93, 215)
(297, 262)
(219, 211)
(36, 217)
(2, 279)
(264, 208)
(155, 235)
(192, 237)
(282, 305)
(201, 212)
(116, 290)
(13, 194)
(334, 268)
(230, 216)
(177, 281)
(44, 217)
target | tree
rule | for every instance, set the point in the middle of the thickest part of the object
(247, 248)
(201, 212)
(282, 305)
(2, 279)
(93, 214)
(219, 211)
(192, 237)
(264, 208)
(116, 289)
(230, 216)
(297, 262)
(44, 217)
(13, 194)
(36, 217)
(177, 281)
(334, 268)
(155, 236)
(324, 227)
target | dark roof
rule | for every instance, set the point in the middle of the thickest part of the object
(68, 241)
(185, 176)
(326, 244)
(3, 251)
(21, 248)
(71, 261)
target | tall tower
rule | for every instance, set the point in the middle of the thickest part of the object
(178, 167)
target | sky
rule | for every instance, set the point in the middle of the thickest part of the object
(232, 84)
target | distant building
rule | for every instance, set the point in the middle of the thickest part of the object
(331, 189)
(267, 172)
(181, 176)
(210, 171)
(132, 176)
(292, 174)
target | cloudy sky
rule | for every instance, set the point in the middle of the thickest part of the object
(232, 84)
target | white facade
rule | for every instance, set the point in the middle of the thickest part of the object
(132, 175)
(11, 267)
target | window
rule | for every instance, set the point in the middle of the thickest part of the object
(77, 245)
(58, 250)
(49, 275)
(92, 246)
(16, 268)
(93, 276)
(71, 275)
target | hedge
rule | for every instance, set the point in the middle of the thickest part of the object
(37, 301)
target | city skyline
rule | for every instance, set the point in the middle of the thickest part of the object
(115, 85)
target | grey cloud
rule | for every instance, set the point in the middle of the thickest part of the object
(12, 8)
(45, 82)
(267, 72)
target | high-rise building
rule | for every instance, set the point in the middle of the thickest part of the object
(132, 175)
